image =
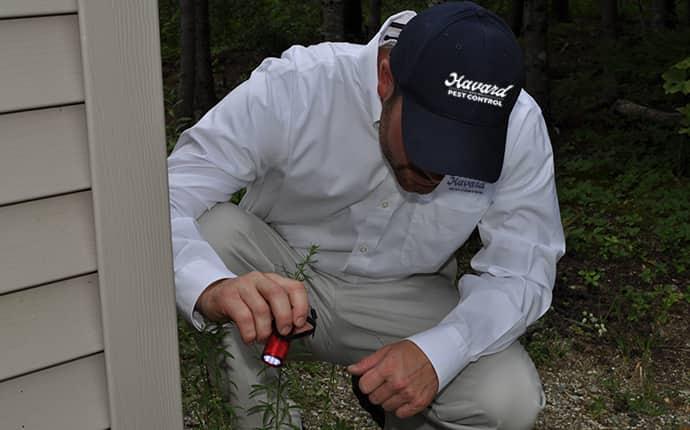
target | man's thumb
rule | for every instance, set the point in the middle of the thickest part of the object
(367, 362)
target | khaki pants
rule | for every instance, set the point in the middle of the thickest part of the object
(357, 316)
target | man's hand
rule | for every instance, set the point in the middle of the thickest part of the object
(398, 377)
(253, 300)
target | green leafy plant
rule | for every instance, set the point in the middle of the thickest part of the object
(201, 355)
(593, 324)
(590, 277)
(545, 345)
(300, 273)
(273, 403)
(677, 80)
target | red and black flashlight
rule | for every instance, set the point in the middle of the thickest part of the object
(277, 345)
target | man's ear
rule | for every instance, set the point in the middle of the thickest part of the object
(386, 84)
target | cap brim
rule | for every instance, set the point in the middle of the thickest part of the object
(442, 145)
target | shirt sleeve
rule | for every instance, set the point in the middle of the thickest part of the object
(233, 145)
(522, 239)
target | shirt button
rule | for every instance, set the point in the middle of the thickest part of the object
(363, 249)
(384, 204)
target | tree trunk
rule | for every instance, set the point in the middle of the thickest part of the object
(672, 13)
(333, 27)
(185, 107)
(663, 14)
(633, 110)
(561, 10)
(536, 54)
(609, 17)
(205, 94)
(352, 20)
(375, 17)
(516, 16)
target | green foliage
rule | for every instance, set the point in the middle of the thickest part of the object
(237, 197)
(623, 187)
(641, 399)
(597, 406)
(650, 306)
(618, 202)
(200, 355)
(677, 80)
(175, 125)
(267, 26)
(594, 325)
(590, 277)
(169, 23)
(543, 343)
(648, 311)
(300, 273)
(273, 403)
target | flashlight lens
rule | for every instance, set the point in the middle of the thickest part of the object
(275, 351)
(272, 360)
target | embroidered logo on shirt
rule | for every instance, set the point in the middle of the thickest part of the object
(457, 183)
(476, 91)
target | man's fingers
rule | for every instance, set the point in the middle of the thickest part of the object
(407, 410)
(302, 329)
(297, 294)
(393, 403)
(370, 381)
(382, 394)
(239, 312)
(278, 300)
(367, 362)
(260, 310)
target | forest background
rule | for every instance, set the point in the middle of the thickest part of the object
(613, 78)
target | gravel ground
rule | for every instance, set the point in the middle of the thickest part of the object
(588, 385)
(579, 391)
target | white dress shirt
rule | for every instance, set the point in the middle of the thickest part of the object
(300, 134)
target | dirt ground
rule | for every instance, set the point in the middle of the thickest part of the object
(578, 390)
(588, 385)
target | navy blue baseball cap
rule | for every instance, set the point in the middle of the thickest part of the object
(460, 70)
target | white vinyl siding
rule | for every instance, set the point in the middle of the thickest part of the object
(125, 122)
(71, 396)
(17, 8)
(48, 325)
(44, 152)
(46, 240)
(87, 309)
(41, 62)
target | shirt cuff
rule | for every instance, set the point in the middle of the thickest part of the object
(191, 280)
(446, 350)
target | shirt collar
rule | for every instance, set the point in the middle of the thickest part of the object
(370, 68)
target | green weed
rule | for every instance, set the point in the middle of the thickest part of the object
(597, 406)
(202, 401)
(590, 277)
(642, 398)
(544, 345)
(677, 81)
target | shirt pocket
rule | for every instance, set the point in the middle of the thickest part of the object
(439, 227)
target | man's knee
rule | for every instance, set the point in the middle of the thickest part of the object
(500, 391)
(224, 223)
(514, 401)
(231, 232)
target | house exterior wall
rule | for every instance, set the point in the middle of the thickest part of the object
(87, 318)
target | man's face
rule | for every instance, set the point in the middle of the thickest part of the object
(410, 177)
